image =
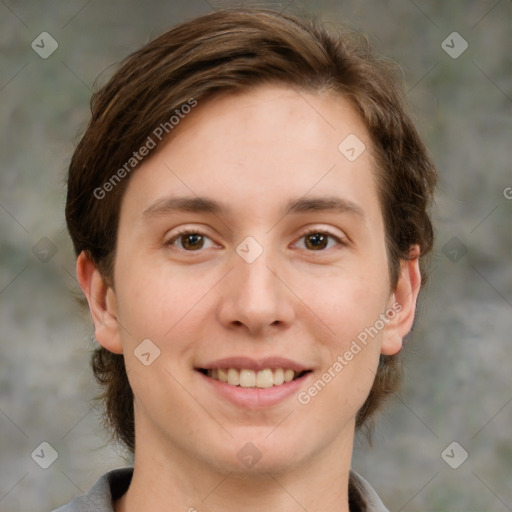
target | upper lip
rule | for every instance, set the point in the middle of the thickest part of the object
(247, 363)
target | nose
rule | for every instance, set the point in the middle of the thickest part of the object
(255, 297)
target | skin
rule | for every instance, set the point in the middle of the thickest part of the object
(253, 151)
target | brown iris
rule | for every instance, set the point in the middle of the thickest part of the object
(317, 241)
(192, 241)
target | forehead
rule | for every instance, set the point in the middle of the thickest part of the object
(270, 145)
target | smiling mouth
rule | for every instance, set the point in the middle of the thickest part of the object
(246, 378)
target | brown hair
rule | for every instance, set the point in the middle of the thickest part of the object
(228, 50)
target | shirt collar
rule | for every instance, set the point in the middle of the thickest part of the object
(112, 485)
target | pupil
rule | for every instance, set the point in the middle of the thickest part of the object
(317, 240)
(192, 241)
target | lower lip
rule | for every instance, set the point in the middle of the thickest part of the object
(256, 398)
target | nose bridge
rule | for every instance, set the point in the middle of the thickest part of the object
(254, 296)
(255, 278)
(255, 283)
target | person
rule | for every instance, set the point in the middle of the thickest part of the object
(249, 207)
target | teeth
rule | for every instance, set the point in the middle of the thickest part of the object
(264, 379)
(250, 379)
(278, 376)
(247, 378)
(233, 377)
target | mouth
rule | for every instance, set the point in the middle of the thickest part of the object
(252, 383)
(249, 378)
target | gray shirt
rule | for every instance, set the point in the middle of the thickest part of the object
(112, 485)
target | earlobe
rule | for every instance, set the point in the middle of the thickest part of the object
(403, 302)
(102, 304)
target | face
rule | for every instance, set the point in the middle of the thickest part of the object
(251, 251)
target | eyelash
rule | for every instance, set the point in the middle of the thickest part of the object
(184, 232)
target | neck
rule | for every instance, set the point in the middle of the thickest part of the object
(165, 481)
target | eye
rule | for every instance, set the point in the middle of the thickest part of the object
(319, 240)
(190, 241)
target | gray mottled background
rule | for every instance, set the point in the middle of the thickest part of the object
(459, 362)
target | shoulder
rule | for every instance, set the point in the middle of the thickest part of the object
(362, 496)
(108, 487)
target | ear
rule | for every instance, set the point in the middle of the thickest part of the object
(403, 304)
(102, 304)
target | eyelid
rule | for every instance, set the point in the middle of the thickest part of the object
(310, 230)
(169, 240)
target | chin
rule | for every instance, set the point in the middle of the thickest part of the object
(259, 454)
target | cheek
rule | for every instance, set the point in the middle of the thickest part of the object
(346, 304)
(157, 300)
(351, 308)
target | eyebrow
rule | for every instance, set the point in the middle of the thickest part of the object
(324, 204)
(200, 204)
